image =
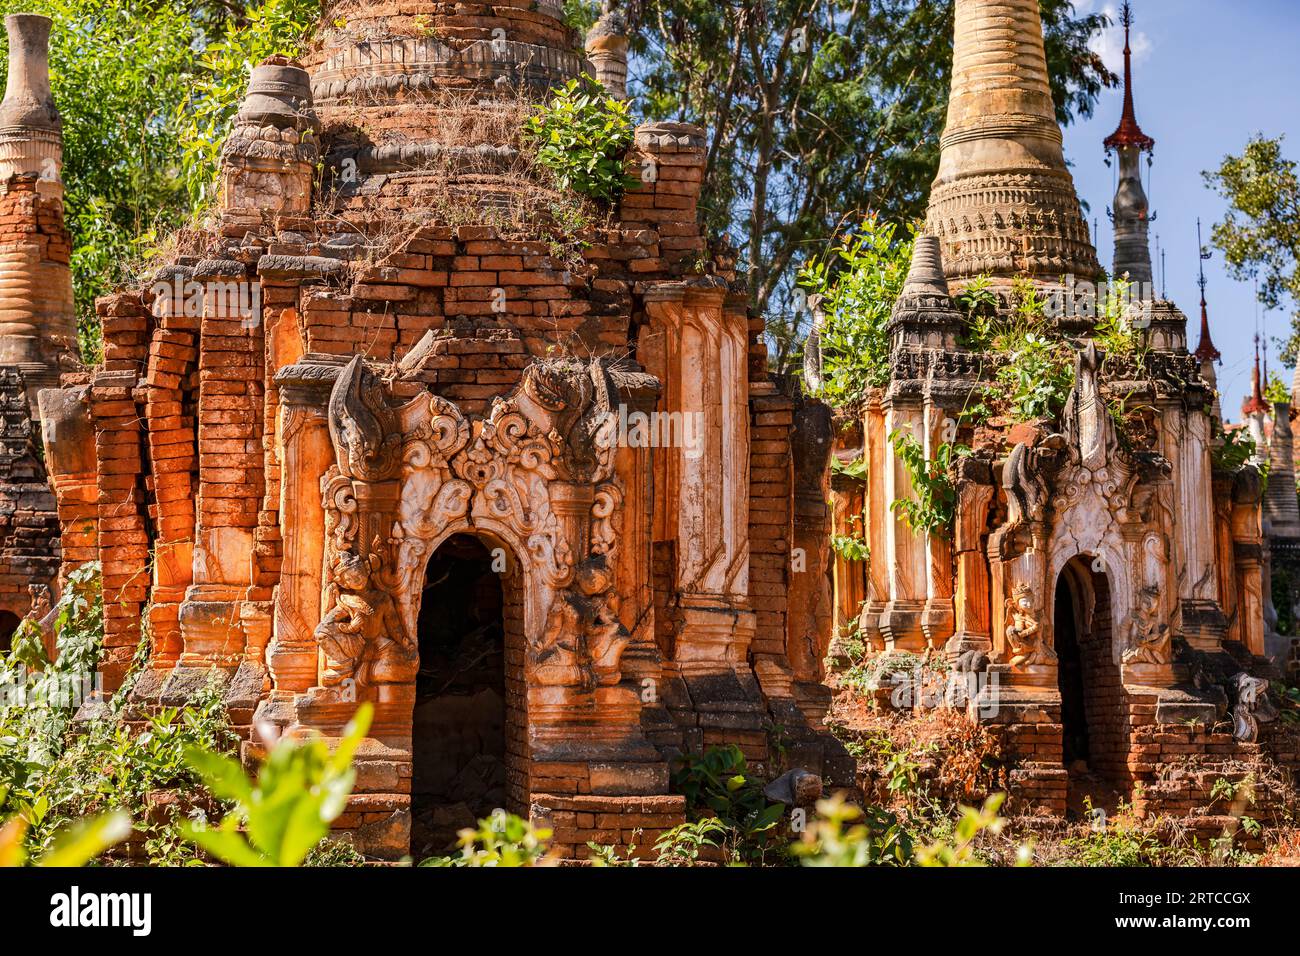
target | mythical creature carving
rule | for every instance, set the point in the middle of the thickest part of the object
(1251, 707)
(1024, 632)
(367, 443)
(1152, 640)
(583, 641)
(1087, 422)
(1026, 490)
(441, 471)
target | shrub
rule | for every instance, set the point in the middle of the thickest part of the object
(858, 281)
(581, 136)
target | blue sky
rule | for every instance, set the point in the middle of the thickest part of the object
(1208, 74)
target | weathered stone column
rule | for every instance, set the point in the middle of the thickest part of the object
(231, 355)
(875, 441)
(975, 493)
(1248, 553)
(37, 317)
(305, 454)
(907, 551)
(1187, 445)
(809, 620)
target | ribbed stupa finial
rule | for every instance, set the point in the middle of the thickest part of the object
(1004, 202)
(925, 275)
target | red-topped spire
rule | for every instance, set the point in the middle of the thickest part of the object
(1129, 133)
(1205, 350)
(1256, 401)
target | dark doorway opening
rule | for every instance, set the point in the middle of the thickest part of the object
(1074, 715)
(1094, 704)
(9, 622)
(459, 722)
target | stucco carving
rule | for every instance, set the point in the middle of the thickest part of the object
(537, 475)
(1024, 632)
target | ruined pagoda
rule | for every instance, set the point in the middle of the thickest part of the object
(1086, 574)
(374, 436)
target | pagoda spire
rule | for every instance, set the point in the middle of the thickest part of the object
(1129, 133)
(1255, 404)
(1131, 211)
(1003, 201)
(1205, 350)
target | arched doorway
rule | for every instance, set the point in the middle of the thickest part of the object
(1094, 705)
(465, 728)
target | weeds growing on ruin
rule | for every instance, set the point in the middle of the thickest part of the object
(581, 136)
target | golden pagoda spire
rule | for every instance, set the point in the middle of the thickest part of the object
(1004, 202)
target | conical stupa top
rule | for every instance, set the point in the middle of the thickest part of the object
(1004, 202)
(1129, 133)
(925, 275)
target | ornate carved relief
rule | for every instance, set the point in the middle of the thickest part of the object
(537, 474)
(1024, 632)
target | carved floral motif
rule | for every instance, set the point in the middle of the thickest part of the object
(537, 473)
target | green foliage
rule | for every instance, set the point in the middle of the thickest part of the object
(819, 113)
(581, 14)
(682, 845)
(1234, 450)
(1036, 368)
(581, 135)
(1119, 841)
(502, 839)
(76, 845)
(283, 815)
(269, 28)
(1260, 235)
(51, 778)
(858, 281)
(718, 784)
(843, 834)
(1277, 389)
(39, 696)
(851, 547)
(935, 504)
(960, 851)
(1116, 329)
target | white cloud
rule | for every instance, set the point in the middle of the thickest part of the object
(1109, 44)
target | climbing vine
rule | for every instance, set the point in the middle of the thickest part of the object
(933, 508)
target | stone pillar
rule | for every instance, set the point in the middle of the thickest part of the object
(809, 620)
(69, 439)
(37, 316)
(848, 519)
(1281, 505)
(937, 622)
(1187, 445)
(878, 519)
(305, 454)
(975, 493)
(607, 50)
(906, 550)
(1248, 554)
(231, 355)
